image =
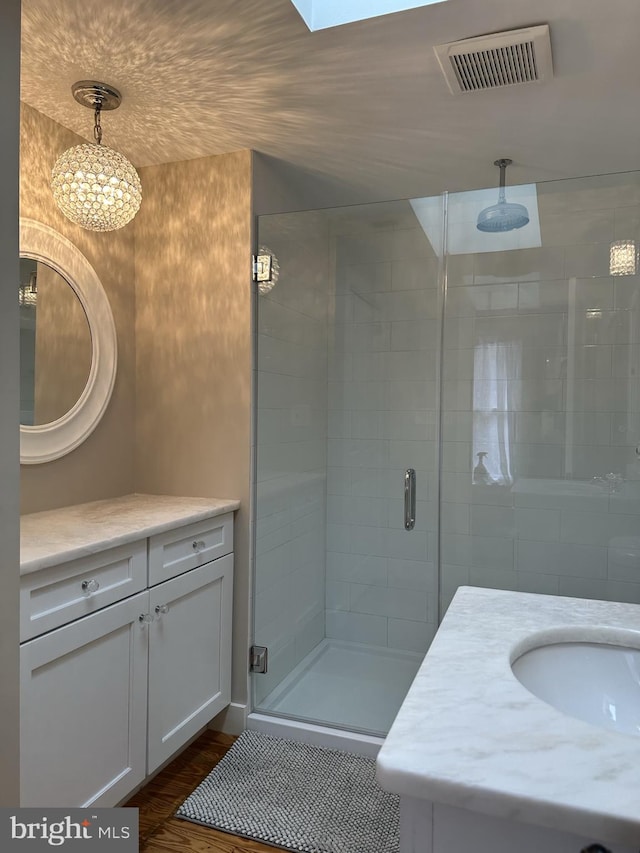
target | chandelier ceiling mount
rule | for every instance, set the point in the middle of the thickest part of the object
(93, 185)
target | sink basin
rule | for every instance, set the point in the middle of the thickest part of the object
(598, 682)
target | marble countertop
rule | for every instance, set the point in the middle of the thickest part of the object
(470, 735)
(55, 536)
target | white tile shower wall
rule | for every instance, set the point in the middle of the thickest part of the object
(542, 365)
(381, 579)
(289, 588)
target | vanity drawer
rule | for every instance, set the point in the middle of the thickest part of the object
(52, 597)
(183, 548)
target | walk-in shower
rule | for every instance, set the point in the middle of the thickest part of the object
(399, 338)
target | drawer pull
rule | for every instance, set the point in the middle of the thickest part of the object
(90, 586)
(161, 609)
(198, 545)
(145, 618)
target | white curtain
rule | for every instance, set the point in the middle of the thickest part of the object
(495, 366)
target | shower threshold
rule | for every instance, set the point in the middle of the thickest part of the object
(345, 685)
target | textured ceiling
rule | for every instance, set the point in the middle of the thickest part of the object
(365, 104)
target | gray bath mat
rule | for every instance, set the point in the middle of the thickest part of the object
(300, 797)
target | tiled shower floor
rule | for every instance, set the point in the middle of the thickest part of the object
(348, 685)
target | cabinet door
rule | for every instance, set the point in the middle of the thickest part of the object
(83, 694)
(189, 655)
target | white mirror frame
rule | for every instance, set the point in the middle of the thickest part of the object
(50, 441)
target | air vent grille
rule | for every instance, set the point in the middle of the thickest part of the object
(497, 60)
(487, 69)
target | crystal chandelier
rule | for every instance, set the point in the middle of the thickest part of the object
(623, 257)
(93, 185)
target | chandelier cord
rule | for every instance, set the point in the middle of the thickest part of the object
(97, 127)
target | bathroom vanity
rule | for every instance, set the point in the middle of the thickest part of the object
(481, 763)
(125, 609)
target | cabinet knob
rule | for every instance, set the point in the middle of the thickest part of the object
(145, 618)
(162, 609)
(90, 586)
(198, 545)
(595, 848)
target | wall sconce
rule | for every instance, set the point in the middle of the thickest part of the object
(623, 257)
(28, 293)
(93, 185)
(267, 270)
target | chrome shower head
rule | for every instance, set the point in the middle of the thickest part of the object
(505, 215)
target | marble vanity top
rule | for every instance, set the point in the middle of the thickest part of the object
(55, 536)
(470, 735)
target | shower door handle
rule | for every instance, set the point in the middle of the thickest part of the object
(409, 499)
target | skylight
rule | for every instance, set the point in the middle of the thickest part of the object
(321, 14)
(463, 237)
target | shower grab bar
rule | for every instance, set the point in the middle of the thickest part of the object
(409, 499)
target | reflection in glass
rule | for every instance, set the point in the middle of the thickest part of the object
(493, 399)
(623, 257)
(28, 290)
(541, 355)
(55, 344)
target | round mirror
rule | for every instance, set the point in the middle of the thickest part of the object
(67, 345)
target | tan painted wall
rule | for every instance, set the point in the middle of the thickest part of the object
(193, 339)
(9, 395)
(103, 466)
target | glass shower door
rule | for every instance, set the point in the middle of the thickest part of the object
(345, 598)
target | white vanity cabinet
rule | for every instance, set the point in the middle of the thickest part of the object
(436, 828)
(481, 763)
(111, 689)
(83, 692)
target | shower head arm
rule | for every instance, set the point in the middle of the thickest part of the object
(502, 165)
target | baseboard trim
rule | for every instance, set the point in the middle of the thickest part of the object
(231, 721)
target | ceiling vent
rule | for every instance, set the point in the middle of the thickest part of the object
(496, 60)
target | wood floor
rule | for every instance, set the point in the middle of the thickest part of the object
(160, 831)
